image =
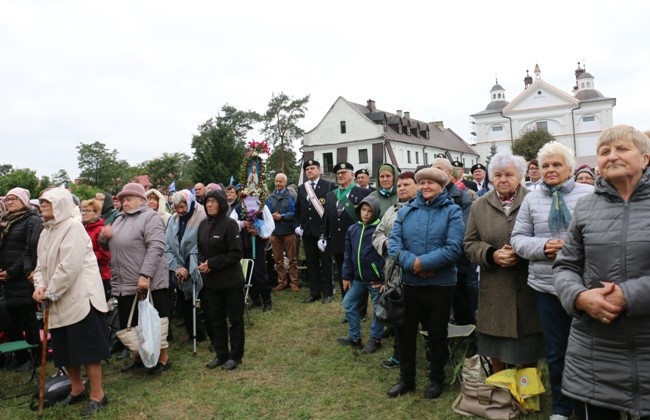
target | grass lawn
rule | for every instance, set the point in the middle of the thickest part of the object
(292, 368)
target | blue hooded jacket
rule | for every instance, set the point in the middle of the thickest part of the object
(433, 233)
(361, 261)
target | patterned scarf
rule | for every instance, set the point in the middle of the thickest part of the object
(8, 220)
(387, 192)
(506, 201)
(559, 216)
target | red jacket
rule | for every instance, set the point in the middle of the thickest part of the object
(103, 257)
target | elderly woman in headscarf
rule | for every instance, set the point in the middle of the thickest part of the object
(585, 175)
(182, 253)
(137, 244)
(508, 328)
(158, 203)
(19, 230)
(386, 191)
(67, 276)
(538, 236)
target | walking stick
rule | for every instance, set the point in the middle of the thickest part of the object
(194, 316)
(41, 386)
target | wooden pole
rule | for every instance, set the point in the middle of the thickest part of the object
(41, 387)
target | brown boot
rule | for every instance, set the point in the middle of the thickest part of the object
(295, 288)
(280, 287)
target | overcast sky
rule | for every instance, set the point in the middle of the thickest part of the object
(140, 76)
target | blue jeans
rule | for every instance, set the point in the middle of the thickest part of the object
(350, 305)
(556, 325)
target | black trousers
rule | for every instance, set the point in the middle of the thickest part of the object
(319, 268)
(227, 306)
(23, 318)
(463, 303)
(260, 287)
(429, 305)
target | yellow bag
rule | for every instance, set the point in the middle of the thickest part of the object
(524, 385)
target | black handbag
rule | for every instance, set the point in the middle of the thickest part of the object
(390, 307)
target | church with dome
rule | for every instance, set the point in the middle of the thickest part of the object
(575, 119)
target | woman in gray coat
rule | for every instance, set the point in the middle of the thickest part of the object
(602, 279)
(137, 244)
(538, 236)
(508, 328)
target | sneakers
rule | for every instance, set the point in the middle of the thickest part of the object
(390, 363)
(372, 346)
(347, 341)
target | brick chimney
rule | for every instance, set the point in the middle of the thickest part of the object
(399, 112)
(371, 105)
(407, 114)
(438, 124)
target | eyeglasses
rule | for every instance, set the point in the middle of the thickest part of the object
(85, 211)
(10, 199)
(532, 169)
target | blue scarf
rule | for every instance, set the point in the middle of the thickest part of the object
(559, 216)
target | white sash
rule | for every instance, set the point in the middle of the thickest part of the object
(311, 195)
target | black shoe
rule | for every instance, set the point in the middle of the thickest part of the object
(344, 320)
(93, 407)
(74, 399)
(363, 318)
(371, 346)
(132, 365)
(310, 299)
(122, 354)
(159, 368)
(267, 307)
(230, 364)
(400, 388)
(347, 341)
(256, 305)
(433, 390)
(215, 362)
(327, 299)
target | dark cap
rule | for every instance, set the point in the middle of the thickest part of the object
(478, 166)
(310, 162)
(343, 165)
(361, 171)
(440, 155)
(457, 164)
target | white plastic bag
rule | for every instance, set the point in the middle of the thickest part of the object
(149, 338)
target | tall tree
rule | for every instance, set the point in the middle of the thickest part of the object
(24, 178)
(218, 155)
(281, 122)
(493, 151)
(273, 167)
(61, 178)
(239, 122)
(167, 168)
(529, 143)
(100, 167)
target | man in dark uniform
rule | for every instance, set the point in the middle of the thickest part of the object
(479, 172)
(459, 174)
(362, 176)
(339, 216)
(310, 212)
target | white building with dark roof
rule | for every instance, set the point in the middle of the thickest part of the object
(366, 137)
(575, 119)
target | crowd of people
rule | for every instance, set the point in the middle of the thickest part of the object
(546, 259)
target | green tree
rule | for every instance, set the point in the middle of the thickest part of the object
(529, 143)
(100, 167)
(493, 151)
(5, 168)
(281, 122)
(218, 155)
(24, 178)
(273, 167)
(167, 168)
(61, 178)
(239, 122)
(84, 192)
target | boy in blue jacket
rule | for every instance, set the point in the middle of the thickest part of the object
(362, 272)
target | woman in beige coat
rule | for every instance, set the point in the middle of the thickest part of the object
(508, 328)
(67, 277)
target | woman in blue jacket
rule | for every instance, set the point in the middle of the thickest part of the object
(427, 240)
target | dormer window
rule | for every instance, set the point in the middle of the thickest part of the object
(588, 118)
